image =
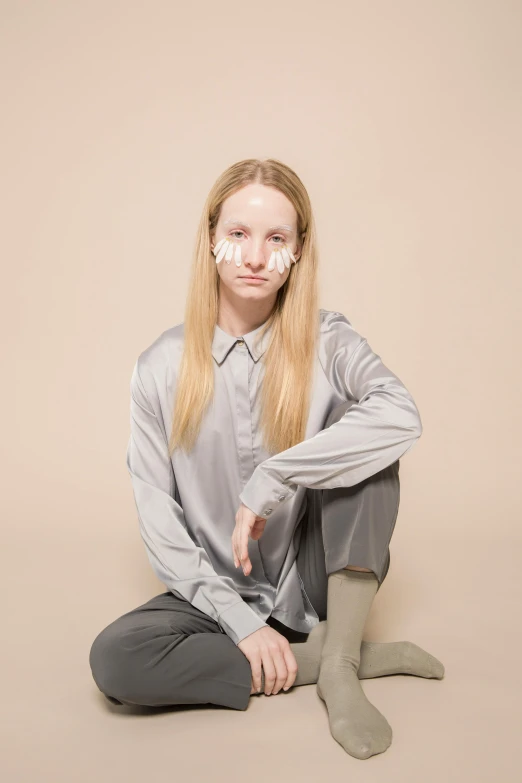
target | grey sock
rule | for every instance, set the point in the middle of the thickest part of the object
(381, 658)
(377, 658)
(355, 723)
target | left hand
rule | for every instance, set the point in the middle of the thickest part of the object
(247, 524)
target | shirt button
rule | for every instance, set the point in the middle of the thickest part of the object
(240, 342)
(282, 497)
(267, 511)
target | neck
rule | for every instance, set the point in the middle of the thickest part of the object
(241, 317)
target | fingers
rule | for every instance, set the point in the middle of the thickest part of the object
(240, 547)
(269, 653)
(240, 551)
(269, 671)
(234, 550)
(255, 665)
(258, 529)
(282, 667)
(243, 549)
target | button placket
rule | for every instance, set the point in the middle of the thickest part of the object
(241, 370)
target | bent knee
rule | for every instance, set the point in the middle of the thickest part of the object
(109, 663)
(125, 659)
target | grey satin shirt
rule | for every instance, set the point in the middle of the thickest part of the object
(187, 504)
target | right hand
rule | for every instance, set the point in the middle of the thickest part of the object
(271, 650)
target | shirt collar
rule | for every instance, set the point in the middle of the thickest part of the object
(223, 343)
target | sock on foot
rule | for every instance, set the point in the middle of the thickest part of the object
(355, 723)
(377, 658)
(381, 658)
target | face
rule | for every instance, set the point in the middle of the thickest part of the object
(258, 221)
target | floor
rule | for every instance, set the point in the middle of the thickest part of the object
(462, 604)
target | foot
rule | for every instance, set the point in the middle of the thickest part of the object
(378, 659)
(381, 658)
(355, 723)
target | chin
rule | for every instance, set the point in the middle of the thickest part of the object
(255, 294)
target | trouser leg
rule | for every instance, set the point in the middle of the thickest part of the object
(347, 526)
(168, 652)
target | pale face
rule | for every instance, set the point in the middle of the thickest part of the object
(258, 220)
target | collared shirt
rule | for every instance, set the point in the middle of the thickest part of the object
(187, 503)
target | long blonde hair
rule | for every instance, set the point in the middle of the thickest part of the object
(289, 358)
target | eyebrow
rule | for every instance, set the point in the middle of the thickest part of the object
(247, 225)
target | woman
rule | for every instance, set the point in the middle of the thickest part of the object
(264, 458)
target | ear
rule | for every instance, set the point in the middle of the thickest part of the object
(299, 248)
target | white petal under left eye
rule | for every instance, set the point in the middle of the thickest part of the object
(286, 257)
(280, 262)
(271, 262)
(237, 255)
(291, 255)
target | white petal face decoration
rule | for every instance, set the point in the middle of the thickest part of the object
(230, 250)
(223, 247)
(281, 257)
(218, 246)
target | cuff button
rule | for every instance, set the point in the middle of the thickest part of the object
(282, 497)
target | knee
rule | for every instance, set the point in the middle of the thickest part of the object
(109, 664)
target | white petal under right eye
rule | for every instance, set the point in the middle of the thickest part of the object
(222, 252)
(230, 250)
(218, 246)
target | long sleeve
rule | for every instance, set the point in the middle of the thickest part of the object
(182, 566)
(378, 429)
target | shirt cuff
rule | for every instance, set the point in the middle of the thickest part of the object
(239, 621)
(263, 494)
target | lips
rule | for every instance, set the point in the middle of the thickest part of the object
(253, 277)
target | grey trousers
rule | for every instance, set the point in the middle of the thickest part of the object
(167, 651)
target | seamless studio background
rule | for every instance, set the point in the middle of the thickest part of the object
(404, 121)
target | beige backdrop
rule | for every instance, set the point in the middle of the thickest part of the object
(404, 121)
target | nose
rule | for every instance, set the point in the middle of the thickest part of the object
(255, 257)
